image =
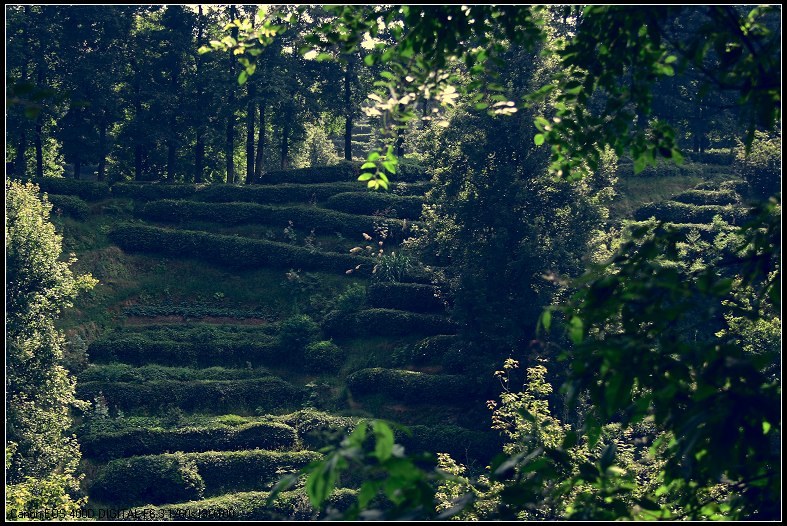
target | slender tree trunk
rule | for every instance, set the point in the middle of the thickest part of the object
(39, 147)
(424, 113)
(348, 111)
(137, 123)
(199, 147)
(258, 162)
(77, 169)
(285, 146)
(400, 137)
(251, 111)
(230, 146)
(102, 146)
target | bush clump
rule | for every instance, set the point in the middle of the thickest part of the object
(675, 212)
(385, 322)
(323, 357)
(87, 190)
(411, 386)
(412, 297)
(707, 197)
(377, 203)
(295, 333)
(761, 168)
(69, 205)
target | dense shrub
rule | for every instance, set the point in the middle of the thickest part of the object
(722, 156)
(323, 357)
(431, 350)
(87, 190)
(154, 479)
(121, 372)
(139, 349)
(316, 428)
(370, 203)
(675, 212)
(707, 197)
(385, 322)
(352, 299)
(292, 193)
(269, 393)
(232, 251)
(411, 386)
(761, 167)
(168, 478)
(69, 205)
(295, 333)
(405, 296)
(344, 171)
(462, 444)
(146, 441)
(153, 191)
(319, 219)
(734, 185)
(253, 505)
(193, 311)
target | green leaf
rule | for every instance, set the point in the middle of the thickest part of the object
(385, 440)
(576, 330)
(539, 139)
(366, 165)
(373, 156)
(546, 319)
(365, 176)
(243, 77)
(368, 60)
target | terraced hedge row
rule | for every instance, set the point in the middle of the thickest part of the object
(675, 212)
(344, 171)
(246, 506)
(232, 251)
(370, 203)
(432, 349)
(198, 332)
(87, 190)
(412, 387)
(121, 372)
(662, 169)
(69, 205)
(196, 311)
(385, 322)
(321, 220)
(269, 394)
(404, 296)
(707, 197)
(461, 443)
(171, 478)
(138, 349)
(151, 191)
(147, 441)
(316, 428)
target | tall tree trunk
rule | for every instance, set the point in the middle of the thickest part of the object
(229, 149)
(102, 146)
(39, 127)
(348, 111)
(199, 147)
(77, 169)
(285, 145)
(251, 111)
(400, 136)
(258, 162)
(20, 162)
(137, 123)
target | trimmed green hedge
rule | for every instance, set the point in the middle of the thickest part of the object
(405, 296)
(246, 506)
(431, 350)
(153, 191)
(232, 251)
(344, 171)
(225, 396)
(138, 349)
(385, 322)
(370, 203)
(147, 441)
(707, 197)
(148, 480)
(662, 169)
(294, 193)
(158, 479)
(319, 219)
(712, 156)
(87, 190)
(121, 372)
(70, 205)
(736, 185)
(196, 310)
(323, 357)
(675, 212)
(411, 386)
(317, 428)
(461, 443)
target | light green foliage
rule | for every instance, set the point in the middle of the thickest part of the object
(40, 457)
(316, 149)
(323, 357)
(352, 299)
(760, 164)
(296, 332)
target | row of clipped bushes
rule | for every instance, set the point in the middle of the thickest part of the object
(268, 394)
(412, 386)
(171, 478)
(413, 297)
(197, 332)
(232, 251)
(721, 156)
(246, 506)
(707, 197)
(87, 190)
(461, 443)
(121, 372)
(371, 203)
(675, 212)
(138, 349)
(662, 169)
(344, 171)
(385, 322)
(319, 219)
(147, 441)
(69, 205)
(195, 311)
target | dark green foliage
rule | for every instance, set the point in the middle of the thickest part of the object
(269, 393)
(341, 172)
(713, 156)
(70, 205)
(87, 190)
(154, 480)
(352, 299)
(153, 191)
(320, 220)
(290, 193)
(405, 296)
(252, 506)
(323, 357)
(412, 387)
(295, 333)
(193, 311)
(464, 445)
(761, 168)
(431, 350)
(121, 372)
(232, 251)
(146, 441)
(385, 322)
(180, 477)
(708, 197)
(672, 211)
(369, 203)
(140, 349)
(316, 429)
